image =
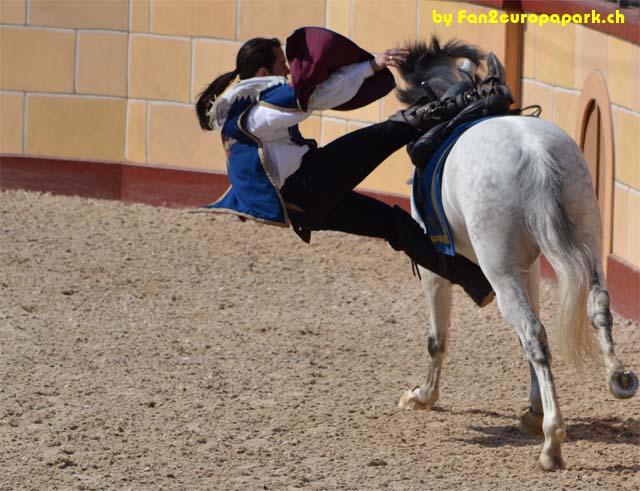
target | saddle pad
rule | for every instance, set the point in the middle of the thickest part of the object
(429, 184)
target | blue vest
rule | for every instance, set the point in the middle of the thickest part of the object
(253, 193)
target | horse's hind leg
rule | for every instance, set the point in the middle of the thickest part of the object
(621, 384)
(531, 420)
(438, 292)
(516, 309)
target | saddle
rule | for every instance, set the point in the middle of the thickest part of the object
(490, 97)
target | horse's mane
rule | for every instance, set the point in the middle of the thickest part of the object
(435, 64)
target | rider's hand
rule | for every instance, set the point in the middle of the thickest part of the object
(391, 57)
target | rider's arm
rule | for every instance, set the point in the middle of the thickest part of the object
(267, 122)
(340, 87)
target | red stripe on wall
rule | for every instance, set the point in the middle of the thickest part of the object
(171, 187)
(159, 186)
(623, 282)
(68, 177)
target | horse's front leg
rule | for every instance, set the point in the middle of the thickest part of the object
(515, 308)
(438, 293)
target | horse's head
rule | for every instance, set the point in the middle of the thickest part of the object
(430, 69)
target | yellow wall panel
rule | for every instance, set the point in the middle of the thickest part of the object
(591, 53)
(211, 58)
(213, 18)
(488, 37)
(529, 51)
(269, 18)
(627, 135)
(620, 72)
(160, 68)
(83, 14)
(332, 129)
(175, 139)
(339, 16)
(136, 149)
(391, 175)
(140, 15)
(13, 11)
(620, 220)
(429, 27)
(379, 24)
(390, 102)
(566, 111)
(310, 128)
(11, 123)
(102, 63)
(555, 53)
(37, 59)
(369, 113)
(76, 127)
(542, 95)
(633, 246)
(635, 85)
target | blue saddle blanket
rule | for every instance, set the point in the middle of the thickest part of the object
(430, 185)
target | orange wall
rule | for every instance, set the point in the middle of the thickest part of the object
(557, 61)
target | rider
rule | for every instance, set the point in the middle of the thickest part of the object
(279, 177)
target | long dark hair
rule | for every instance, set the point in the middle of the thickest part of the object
(254, 54)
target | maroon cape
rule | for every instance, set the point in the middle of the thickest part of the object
(314, 53)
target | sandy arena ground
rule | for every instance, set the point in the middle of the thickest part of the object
(155, 349)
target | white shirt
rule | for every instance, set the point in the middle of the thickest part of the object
(270, 125)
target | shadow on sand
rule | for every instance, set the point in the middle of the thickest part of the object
(609, 430)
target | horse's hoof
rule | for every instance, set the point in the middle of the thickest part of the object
(623, 384)
(531, 424)
(548, 463)
(410, 400)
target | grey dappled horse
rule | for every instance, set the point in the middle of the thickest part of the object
(512, 187)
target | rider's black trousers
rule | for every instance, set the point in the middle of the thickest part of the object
(323, 185)
(321, 191)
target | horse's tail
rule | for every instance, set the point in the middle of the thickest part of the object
(557, 237)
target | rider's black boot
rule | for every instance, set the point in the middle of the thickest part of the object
(426, 114)
(410, 238)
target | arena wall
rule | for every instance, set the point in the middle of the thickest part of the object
(114, 81)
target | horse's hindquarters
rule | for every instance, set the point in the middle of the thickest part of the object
(482, 195)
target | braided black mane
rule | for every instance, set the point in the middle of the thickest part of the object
(435, 64)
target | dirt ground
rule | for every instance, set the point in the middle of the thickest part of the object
(155, 349)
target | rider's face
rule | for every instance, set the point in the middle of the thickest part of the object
(280, 66)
